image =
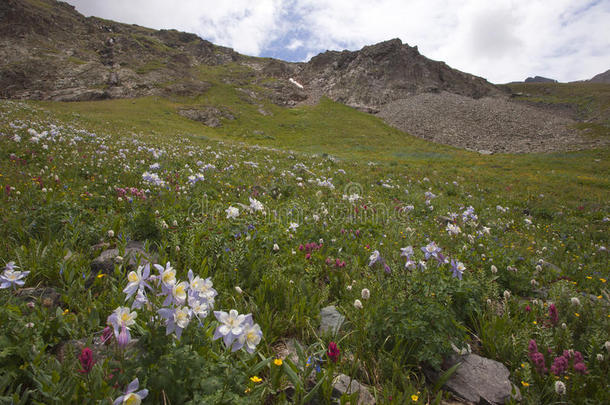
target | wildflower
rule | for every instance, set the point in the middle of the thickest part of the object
(406, 251)
(414, 398)
(457, 268)
(374, 258)
(333, 352)
(365, 293)
(560, 365)
(256, 205)
(137, 280)
(580, 367)
(86, 360)
(553, 314)
(124, 336)
(506, 294)
(600, 357)
(239, 290)
(178, 295)
(358, 304)
(255, 379)
(111, 233)
(232, 212)
(11, 277)
(607, 346)
(131, 397)
(199, 308)
(200, 288)
(575, 301)
(275, 247)
(277, 362)
(453, 229)
(525, 384)
(231, 325)
(431, 250)
(121, 316)
(560, 387)
(167, 276)
(250, 337)
(176, 319)
(494, 269)
(293, 227)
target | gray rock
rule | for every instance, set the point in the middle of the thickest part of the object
(104, 263)
(330, 320)
(343, 384)
(480, 380)
(485, 152)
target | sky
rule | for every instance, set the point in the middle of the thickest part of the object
(500, 40)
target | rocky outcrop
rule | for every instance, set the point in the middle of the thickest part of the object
(539, 79)
(601, 78)
(381, 73)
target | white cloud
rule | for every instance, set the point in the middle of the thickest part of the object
(501, 40)
(295, 44)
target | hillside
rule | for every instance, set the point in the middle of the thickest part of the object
(51, 52)
(182, 224)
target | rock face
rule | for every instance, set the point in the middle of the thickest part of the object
(50, 51)
(481, 381)
(390, 70)
(601, 78)
(539, 79)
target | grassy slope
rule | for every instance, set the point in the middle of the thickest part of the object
(574, 178)
(590, 101)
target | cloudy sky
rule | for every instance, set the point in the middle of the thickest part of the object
(501, 40)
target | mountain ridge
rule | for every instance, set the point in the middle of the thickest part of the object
(49, 51)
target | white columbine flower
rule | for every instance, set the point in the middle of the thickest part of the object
(231, 326)
(453, 229)
(293, 227)
(121, 316)
(232, 212)
(256, 205)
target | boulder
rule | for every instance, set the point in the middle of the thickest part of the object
(479, 380)
(330, 320)
(343, 384)
(104, 263)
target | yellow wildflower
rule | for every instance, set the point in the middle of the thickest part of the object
(414, 398)
(277, 362)
(255, 379)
